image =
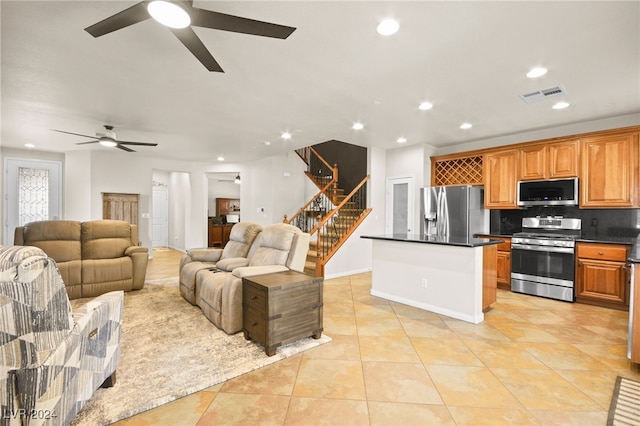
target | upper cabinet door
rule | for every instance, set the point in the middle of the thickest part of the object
(533, 162)
(500, 179)
(549, 161)
(609, 172)
(563, 159)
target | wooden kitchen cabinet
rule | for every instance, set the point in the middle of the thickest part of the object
(500, 178)
(504, 264)
(602, 276)
(609, 171)
(218, 235)
(225, 206)
(549, 161)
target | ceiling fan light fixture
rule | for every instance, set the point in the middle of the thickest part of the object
(107, 141)
(169, 14)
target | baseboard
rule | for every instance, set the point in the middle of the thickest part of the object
(346, 273)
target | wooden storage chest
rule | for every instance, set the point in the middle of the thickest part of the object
(281, 308)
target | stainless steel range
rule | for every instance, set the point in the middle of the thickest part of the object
(543, 257)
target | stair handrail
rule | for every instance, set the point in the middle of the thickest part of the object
(329, 215)
(325, 189)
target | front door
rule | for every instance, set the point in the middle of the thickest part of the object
(400, 205)
(32, 192)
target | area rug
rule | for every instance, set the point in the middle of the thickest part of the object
(169, 350)
(625, 404)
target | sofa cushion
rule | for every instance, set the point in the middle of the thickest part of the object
(240, 239)
(105, 239)
(59, 239)
(275, 244)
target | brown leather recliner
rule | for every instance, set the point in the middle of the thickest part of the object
(93, 257)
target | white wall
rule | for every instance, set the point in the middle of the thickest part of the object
(408, 162)
(77, 183)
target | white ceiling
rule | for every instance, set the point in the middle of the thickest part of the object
(468, 58)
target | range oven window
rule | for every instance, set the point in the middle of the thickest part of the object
(543, 264)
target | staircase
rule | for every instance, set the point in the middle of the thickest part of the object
(330, 216)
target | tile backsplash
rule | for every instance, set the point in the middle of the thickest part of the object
(595, 222)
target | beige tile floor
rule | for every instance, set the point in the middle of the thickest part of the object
(533, 361)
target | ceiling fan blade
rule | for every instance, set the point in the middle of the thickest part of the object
(84, 143)
(192, 42)
(124, 148)
(133, 15)
(222, 21)
(137, 143)
(71, 133)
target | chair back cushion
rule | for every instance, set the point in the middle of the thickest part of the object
(34, 307)
(275, 244)
(59, 239)
(105, 239)
(240, 239)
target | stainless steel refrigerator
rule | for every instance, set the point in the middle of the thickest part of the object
(456, 212)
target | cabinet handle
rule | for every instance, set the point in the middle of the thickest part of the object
(508, 257)
(254, 297)
(600, 253)
(579, 263)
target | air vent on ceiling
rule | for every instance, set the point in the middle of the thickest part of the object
(543, 94)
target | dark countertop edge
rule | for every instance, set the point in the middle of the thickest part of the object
(634, 254)
(473, 242)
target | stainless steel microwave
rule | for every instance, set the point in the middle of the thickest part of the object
(555, 192)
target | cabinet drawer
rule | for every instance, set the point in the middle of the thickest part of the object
(254, 325)
(506, 246)
(603, 252)
(255, 298)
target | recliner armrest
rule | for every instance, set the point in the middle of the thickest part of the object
(231, 263)
(205, 254)
(135, 249)
(249, 271)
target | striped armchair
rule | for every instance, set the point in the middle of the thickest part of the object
(52, 359)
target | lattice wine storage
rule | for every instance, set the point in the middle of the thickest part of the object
(458, 171)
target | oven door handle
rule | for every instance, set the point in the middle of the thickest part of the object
(550, 249)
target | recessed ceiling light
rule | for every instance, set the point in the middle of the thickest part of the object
(169, 14)
(388, 27)
(286, 135)
(357, 126)
(424, 106)
(267, 143)
(221, 158)
(536, 72)
(561, 105)
(466, 126)
(401, 140)
(29, 145)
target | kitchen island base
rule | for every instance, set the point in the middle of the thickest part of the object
(458, 281)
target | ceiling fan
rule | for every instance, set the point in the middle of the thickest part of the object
(180, 16)
(108, 139)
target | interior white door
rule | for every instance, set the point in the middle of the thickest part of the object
(400, 206)
(160, 220)
(32, 192)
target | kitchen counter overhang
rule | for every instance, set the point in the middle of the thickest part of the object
(455, 277)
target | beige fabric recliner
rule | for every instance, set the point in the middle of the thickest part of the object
(218, 293)
(93, 257)
(234, 254)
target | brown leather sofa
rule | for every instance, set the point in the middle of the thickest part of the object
(93, 257)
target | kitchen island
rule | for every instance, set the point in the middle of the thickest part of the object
(451, 276)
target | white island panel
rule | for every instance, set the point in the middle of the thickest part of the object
(439, 278)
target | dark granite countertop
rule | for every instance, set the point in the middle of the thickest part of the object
(432, 239)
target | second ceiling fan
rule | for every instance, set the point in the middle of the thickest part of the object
(180, 16)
